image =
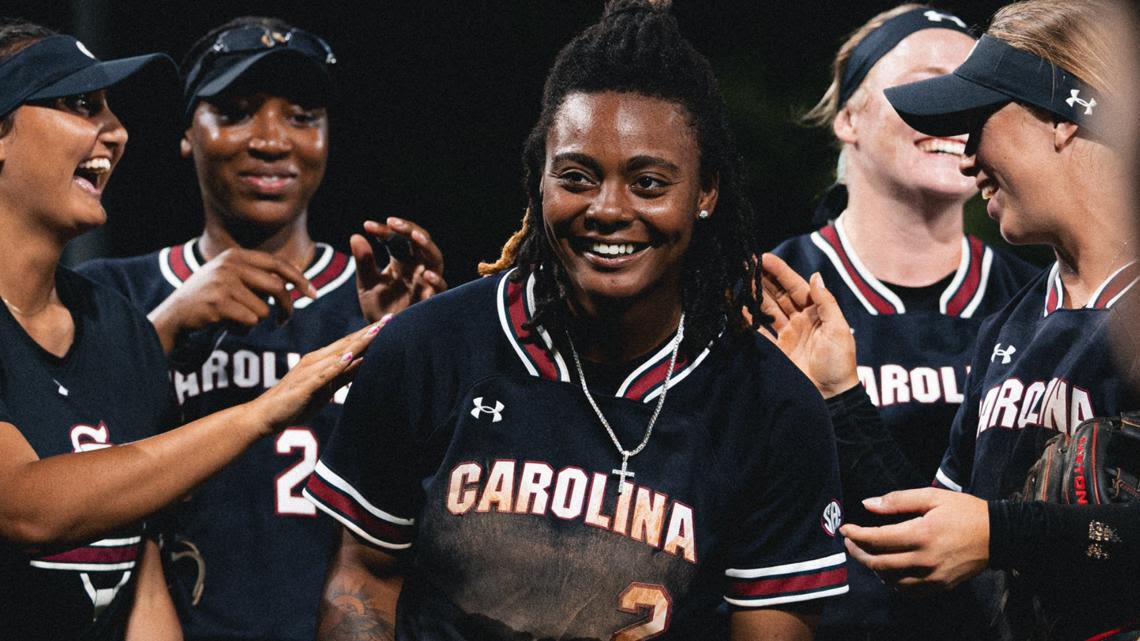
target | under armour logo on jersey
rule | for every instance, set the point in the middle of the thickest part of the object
(832, 518)
(1005, 354)
(935, 16)
(481, 409)
(1075, 99)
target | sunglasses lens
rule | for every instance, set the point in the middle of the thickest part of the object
(256, 38)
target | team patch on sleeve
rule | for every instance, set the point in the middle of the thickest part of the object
(788, 583)
(335, 496)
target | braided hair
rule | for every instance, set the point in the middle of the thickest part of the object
(637, 48)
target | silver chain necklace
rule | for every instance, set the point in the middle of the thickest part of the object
(624, 474)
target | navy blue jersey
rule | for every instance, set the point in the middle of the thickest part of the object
(912, 363)
(110, 388)
(468, 448)
(1039, 370)
(251, 554)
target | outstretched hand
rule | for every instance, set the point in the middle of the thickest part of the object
(312, 381)
(947, 542)
(403, 281)
(809, 327)
(234, 287)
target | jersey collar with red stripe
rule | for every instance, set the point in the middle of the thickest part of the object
(515, 303)
(328, 270)
(960, 298)
(1111, 290)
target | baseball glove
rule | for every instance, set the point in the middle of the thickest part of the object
(1098, 463)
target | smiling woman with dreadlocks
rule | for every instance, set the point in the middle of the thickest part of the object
(590, 442)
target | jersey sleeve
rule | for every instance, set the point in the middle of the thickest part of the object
(787, 548)
(366, 477)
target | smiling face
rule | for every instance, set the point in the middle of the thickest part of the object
(259, 158)
(883, 148)
(1011, 157)
(621, 189)
(57, 158)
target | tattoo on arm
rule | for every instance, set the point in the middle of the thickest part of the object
(351, 616)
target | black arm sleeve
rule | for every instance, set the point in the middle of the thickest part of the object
(871, 462)
(1083, 558)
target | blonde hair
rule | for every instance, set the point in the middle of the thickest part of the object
(825, 111)
(1076, 35)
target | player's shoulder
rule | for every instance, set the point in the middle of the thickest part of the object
(801, 252)
(130, 266)
(119, 322)
(760, 369)
(456, 315)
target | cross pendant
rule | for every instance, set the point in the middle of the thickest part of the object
(624, 474)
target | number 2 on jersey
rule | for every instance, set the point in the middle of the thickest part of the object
(289, 482)
(637, 598)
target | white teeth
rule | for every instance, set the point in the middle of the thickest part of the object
(611, 250)
(988, 192)
(97, 165)
(954, 147)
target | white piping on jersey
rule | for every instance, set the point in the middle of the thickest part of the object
(946, 481)
(842, 271)
(839, 558)
(677, 377)
(114, 543)
(1107, 282)
(790, 598)
(665, 352)
(83, 567)
(987, 262)
(327, 253)
(348, 523)
(875, 283)
(505, 322)
(1056, 285)
(335, 480)
(563, 370)
(960, 277)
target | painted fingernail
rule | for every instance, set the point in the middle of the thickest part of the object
(347, 358)
(874, 501)
(396, 222)
(419, 237)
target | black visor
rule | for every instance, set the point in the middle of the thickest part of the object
(295, 59)
(59, 66)
(995, 73)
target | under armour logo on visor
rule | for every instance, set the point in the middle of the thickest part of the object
(1005, 354)
(1075, 100)
(935, 16)
(480, 409)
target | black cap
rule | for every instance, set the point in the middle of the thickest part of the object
(58, 66)
(296, 59)
(995, 73)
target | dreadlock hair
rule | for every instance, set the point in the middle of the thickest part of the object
(638, 48)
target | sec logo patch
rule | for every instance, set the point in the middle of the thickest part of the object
(831, 518)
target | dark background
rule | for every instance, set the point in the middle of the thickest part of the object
(439, 96)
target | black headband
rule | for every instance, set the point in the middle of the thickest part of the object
(881, 41)
(58, 66)
(995, 73)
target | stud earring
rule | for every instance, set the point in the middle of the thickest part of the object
(703, 214)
